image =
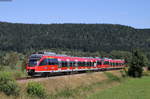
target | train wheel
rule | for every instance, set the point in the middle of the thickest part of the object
(46, 74)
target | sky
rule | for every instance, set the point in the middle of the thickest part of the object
(135, 13)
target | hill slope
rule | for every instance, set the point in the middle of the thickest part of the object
(85, 37)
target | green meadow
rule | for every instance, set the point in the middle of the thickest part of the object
(138, 88)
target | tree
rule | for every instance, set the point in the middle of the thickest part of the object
(11, 59)
(24, 63)
(138, 61)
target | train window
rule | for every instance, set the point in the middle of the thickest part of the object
(111, 63)
(64, 64)
(79, 63)
(117, 64)
(43, 62)
(76, 64)
(99, 63)
(114, 64)
(92, 63)
(60, 65)
(88, 63)
(83, 63)
(71, 63)
(68, 63)
(52, 62)
(32, 63)
(106, 63)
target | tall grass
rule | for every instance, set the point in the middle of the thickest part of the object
(112, 77)
(14, 72)
(74, 87)
(80, 92)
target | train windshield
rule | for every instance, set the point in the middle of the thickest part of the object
(32, 63)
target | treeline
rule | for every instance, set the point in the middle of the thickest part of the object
(104, 40)
(83, 37)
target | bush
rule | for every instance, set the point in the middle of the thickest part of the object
(5, 77)
(8, 84)
(10, 88)
(36, 89)
(138, 61)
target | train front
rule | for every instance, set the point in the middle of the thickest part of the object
(32, 64)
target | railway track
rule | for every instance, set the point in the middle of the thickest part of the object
(39, 78)
(25, 78)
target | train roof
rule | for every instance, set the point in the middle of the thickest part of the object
(60, 56)
(71, 58)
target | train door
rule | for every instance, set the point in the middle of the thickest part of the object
(52, 64)
(105, 64)
(95, 63)
(76, 64)
(43, 65)
(59, 64)
(68, 64)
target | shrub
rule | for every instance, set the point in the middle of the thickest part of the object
(36, 89)
(5, 77)
(10, 88)
(138, 61)
(8, 84)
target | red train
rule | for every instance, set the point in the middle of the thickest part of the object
(49, 63)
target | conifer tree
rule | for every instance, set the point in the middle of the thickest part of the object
(138, 61)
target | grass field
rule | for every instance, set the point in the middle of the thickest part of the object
(138, 88)
(94, 85)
